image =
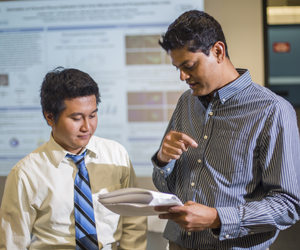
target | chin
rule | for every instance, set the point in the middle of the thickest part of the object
(196, 93)
(81, 144)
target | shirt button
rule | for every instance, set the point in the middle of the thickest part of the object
(199, 160)
(189, 233)
(205, 137)
(163, 184)
(224, 101)
(227, 236)
(211, 113)
(168, 170)
(192, 184)
(161, 172)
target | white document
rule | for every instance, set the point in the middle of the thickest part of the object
(137, 201)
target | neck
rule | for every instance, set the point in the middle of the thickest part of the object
(229, 72)
(228, 75)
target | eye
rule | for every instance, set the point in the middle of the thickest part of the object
(93, 115)
(76, 119)
(189, 67)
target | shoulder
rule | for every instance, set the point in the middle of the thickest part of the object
(186, 99)
(26, 168)
(275, 106)
(266, 93)
(106, 145)
(263, 94)
(186, 95)
(109, 151)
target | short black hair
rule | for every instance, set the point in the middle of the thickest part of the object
(65, 84)
(195, 29)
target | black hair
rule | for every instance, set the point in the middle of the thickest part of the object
(65, 84)
(195, 29)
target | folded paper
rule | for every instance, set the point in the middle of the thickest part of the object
(137, 201)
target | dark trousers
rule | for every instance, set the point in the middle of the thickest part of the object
(173, 246)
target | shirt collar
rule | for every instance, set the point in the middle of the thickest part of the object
(225, 93)
(236, 86)
(57, 153)
(92, 148)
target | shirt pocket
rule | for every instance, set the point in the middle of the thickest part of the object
(227, 151)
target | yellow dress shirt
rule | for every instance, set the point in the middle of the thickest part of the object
(38, 199)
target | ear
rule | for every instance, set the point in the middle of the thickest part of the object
(219, 52)
(50, 118)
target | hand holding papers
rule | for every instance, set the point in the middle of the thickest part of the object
(137, 201)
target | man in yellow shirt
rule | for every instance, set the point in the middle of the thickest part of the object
(38, 209)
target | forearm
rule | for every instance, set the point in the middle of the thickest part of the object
(161, 176)
(269, 214)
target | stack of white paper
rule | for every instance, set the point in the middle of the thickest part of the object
(137, 201)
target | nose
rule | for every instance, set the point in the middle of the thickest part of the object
(183, 75)
(86, 125)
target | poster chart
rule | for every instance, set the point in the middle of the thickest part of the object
(116, 42)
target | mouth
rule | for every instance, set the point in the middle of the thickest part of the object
(84, 136)
(192, 85)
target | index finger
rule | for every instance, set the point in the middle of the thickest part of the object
(162, 208)
(187, 140)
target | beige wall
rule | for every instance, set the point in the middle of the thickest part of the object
(243, 27)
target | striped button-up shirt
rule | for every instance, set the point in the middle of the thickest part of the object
(247, 165)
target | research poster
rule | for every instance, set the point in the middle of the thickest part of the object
(116, 42)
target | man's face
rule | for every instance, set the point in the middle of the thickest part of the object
(201, 72)
(76, 124)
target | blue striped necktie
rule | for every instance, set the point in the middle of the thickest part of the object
(85, 228)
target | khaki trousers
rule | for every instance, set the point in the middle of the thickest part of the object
(173, 246)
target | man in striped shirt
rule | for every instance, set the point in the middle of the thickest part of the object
(231, 151)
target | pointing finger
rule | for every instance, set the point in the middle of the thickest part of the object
(187, 140)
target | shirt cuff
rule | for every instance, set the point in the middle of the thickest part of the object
(230, 222)
(166, 170)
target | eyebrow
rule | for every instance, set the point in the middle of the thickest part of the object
(181, 63)
(78, 113)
